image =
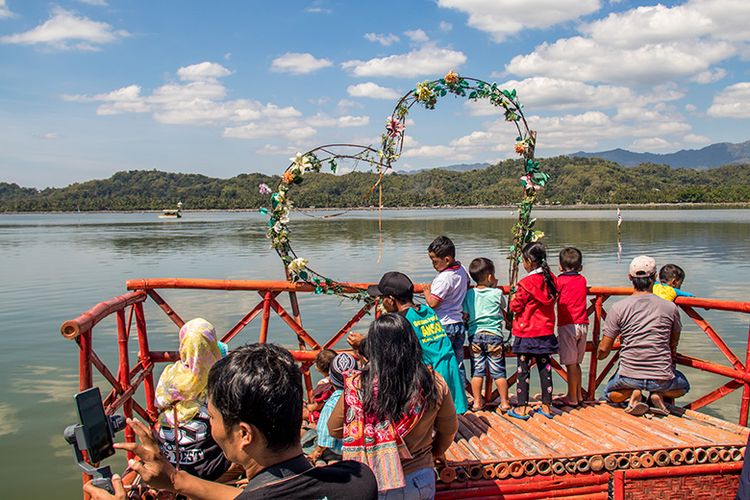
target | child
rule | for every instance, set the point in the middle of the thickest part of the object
(671, 277)
(446, 294)
(533, 306)
(484, 306)
(328, 447)
(324, 388)
(572, 321)
(397, 292)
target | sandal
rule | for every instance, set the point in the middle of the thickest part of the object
(544, 413)
(658, 408)
(564, 401)
(512, 413)
(637, 410)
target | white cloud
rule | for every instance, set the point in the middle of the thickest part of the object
(202, 71)
(427, 60)
(650, 44)
(691, 108)
(650, 144)
(696, 139)
(372, 90)
(65, 30)
(587, 60)
(346, 121)
(732, 102)
(50, 136)
(5, 11)
(383, 39)
(709, 76)
(417, 36)
(502, 18)
(200, 99)
(276, 150)
(445, 26)
(298, 63)
(95, 3)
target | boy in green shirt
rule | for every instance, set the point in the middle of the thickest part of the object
(397, 292)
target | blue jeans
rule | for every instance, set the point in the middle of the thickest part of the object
(618, 383)
(457, 334)
(420, 485)
(487, 350)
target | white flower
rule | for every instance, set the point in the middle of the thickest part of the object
(278, 227)
(301, 163)
(297, 265)
(284, 219)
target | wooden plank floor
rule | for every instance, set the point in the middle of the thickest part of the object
(595, 429)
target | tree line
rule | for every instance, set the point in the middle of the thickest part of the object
(573, 181)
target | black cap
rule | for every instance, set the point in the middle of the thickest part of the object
(394, 284)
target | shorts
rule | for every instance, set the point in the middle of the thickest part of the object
(618, 383)
(572, 339)
(487, 350)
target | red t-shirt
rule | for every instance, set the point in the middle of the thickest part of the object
(571, 299)
(533, 309)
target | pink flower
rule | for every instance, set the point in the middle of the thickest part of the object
(264, 189)
(394, 127)
(528, 183)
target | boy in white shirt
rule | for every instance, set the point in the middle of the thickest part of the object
(446, 294)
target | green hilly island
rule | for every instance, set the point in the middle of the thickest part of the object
(574, 180)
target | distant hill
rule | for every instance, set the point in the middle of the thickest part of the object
(715, 155)
(573, 181)
(460, 167)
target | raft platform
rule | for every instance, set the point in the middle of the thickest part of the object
(593, 451)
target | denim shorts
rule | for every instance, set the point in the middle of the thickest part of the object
(487, 350)
(617, 383)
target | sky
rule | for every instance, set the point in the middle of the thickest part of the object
(92, 87)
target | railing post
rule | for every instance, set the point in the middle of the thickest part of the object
(594, 363)
(144, 356)
(746, 387)
(123, 373)
(85, 375)
(266, 317)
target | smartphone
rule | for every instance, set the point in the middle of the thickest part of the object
(95, 423)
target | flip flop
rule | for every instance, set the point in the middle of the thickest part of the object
(563, 401)
(638, 410)
(655, 410)
(512, 413)
(544, 413)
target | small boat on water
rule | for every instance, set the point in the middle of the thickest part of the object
(169, 213)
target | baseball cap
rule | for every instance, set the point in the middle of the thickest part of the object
(642, 266)
(392, 283)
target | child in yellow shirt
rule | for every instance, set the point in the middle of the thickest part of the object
(671, 277)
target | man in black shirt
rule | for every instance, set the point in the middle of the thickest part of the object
(255, 407)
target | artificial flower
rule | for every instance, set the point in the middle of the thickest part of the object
(264, 189)
(451, 77)
(284, 219)
(394, 127)
(301, 162)
(288, 177)
(520, 147)
(297, 265)
(424, 92)
(537, 235)
(528, 183)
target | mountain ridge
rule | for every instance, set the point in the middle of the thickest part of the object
(713, 155)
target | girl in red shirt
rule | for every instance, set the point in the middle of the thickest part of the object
(533, 307)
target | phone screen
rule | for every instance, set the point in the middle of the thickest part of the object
(95, 424)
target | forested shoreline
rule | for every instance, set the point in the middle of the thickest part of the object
(574, 181)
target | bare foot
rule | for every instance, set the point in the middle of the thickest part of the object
(546, 409)
(635, 398)
(523, 410)
(657, 405)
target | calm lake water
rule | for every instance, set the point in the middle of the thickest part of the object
(55, 266)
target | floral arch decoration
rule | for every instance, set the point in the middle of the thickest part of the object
(427, 94)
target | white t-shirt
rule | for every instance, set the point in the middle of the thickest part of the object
(450, 286)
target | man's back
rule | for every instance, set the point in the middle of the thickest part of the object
(645, 324)
(342, 480)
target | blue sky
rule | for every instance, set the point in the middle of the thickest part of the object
(91, 87)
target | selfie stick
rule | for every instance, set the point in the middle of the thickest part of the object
(102, 475)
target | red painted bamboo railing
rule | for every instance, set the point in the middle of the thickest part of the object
(132, 374)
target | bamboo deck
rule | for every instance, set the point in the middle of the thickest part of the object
(591, 441)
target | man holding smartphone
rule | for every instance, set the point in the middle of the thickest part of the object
(255, 406)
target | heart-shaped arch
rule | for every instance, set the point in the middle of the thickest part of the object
(426, 93)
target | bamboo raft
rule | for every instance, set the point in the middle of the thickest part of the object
(595, 440)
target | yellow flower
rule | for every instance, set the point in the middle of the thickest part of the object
(297, 265)
(451, 77)
(424, 92)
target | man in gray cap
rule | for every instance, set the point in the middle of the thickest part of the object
(649, 330)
